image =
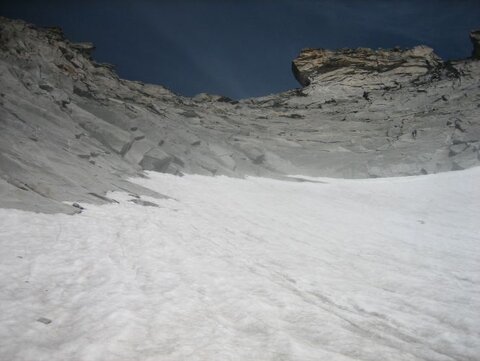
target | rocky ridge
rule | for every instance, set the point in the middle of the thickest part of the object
(71, 129)
(400, 65)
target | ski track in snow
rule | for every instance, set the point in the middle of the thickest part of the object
(254, 269)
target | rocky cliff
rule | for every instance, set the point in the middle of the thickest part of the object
(71, 129)
(367, 65)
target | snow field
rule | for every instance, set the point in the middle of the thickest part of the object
(253, 269)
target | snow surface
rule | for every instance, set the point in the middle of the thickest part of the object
(254, 269)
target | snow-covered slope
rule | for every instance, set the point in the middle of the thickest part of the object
(253, 269)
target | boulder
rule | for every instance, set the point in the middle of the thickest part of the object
(159, 161)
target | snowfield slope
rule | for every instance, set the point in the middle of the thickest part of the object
(249, 269)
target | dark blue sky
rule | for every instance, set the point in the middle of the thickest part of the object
(244, 48)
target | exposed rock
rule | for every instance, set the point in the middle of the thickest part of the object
(138, 150)
(157, 160)
(44, 320)
(256, 155)
(144, 203)
(81, 89)
(103, 198)
(85, 48)
(361, 113)
(204, 97)
(475, 38)
(340, 64)
(46, 86)
(114, 138)
(76, 205)
(457, 149)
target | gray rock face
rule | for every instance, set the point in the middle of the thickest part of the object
(71, 129)
(157, 160)
(85, 48)
(324, 64)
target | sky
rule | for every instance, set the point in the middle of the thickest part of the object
(244, 48)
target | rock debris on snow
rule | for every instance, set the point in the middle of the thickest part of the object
(44, 320)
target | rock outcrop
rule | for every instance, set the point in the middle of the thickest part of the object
(322, 64)
(71, 129)
(475, 38)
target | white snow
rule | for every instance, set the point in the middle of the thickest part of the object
(254, 269)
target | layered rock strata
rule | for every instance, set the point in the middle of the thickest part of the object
(323, 65)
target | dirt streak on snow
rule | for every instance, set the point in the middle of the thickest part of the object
(254, 269)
